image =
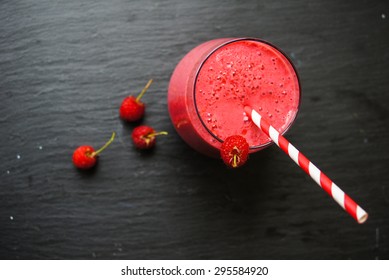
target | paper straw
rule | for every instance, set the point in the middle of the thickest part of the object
(318, 176)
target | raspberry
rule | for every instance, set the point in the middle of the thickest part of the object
(144, 137)
(85, 157)
(234, 151)
(132, 109)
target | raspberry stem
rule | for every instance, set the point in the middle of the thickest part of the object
(150, 136)
(105, 146)
(235, 161)
(144, 90)
(157, 133)
(235, 158)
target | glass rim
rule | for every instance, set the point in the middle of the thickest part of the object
(233, 40)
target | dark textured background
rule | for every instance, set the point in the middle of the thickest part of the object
(65, 66)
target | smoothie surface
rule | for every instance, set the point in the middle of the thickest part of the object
(244, 73)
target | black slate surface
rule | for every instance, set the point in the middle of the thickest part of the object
(66, 65)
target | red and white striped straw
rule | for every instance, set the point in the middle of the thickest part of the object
(319, 177)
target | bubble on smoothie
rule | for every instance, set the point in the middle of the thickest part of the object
(230, 64)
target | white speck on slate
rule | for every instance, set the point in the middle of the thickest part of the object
(11, 218)
(40, 147)
(383, 16)
(8, 172)
(18, 156)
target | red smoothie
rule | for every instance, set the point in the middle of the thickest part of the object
(212, 83)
